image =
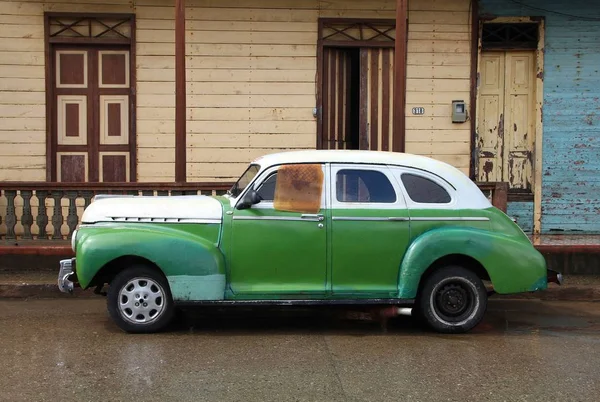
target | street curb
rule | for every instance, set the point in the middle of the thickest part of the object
(40, 291)
(572, 293)
(50, 291)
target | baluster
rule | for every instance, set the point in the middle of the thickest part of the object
(87, 198)
(72, 218)
(11, 217)
(27, 217)
(57, 218)
(42, 217)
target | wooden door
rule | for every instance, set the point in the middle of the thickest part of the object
(92, 123)
(506, 126)
(376, 98)
(337, 72)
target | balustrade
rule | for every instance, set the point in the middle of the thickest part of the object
(52, 211)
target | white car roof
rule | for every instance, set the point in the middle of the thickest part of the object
(439, 168)
(469, 192)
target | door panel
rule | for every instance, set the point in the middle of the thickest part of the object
(369, 232)
(337, 69)
(275, 252)
(490, 118)
(519, 127)
(376, 102)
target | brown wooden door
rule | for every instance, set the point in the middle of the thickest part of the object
(357, 98)
(92, 114)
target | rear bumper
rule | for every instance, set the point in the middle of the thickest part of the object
(554, 277)
(65, 274)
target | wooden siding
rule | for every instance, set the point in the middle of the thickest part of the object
(251, 71)
(251, 78)
(571, 140)
(438, 72)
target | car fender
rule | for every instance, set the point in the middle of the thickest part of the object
(193, 266)
(512, 263)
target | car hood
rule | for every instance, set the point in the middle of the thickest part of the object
(158, 209)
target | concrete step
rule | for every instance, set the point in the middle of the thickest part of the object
(43, 284)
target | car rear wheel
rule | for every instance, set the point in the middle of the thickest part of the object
(139, 300)
(452, 300)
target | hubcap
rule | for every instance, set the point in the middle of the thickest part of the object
(141, 300)
(454, 300)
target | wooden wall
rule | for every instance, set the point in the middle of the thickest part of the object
(438, 72)
(251, 71)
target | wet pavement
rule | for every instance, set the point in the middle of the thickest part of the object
(525, 350)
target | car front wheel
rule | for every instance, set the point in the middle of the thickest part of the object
(139, 300)
(452, 300)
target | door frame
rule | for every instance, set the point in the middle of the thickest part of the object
(53, 40)
(538, 107)
(323, 42)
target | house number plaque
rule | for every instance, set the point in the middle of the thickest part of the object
(418, 110)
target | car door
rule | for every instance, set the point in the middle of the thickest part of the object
(279, 246)
(369, 230)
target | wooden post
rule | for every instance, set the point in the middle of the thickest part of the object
(180, 93)
(398, 144)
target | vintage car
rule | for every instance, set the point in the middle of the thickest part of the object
(309, 227)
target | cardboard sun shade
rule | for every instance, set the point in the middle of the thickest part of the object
(299, 188)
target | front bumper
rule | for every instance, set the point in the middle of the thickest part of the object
(67, 269)
(554, 277)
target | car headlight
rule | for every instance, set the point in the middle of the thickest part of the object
(74, 241)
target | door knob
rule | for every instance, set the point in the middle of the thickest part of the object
(320, 226)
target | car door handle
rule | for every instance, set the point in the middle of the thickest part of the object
(313, 217)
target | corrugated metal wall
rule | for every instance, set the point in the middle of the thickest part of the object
(571, 112)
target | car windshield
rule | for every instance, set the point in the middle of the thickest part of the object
(244, 180)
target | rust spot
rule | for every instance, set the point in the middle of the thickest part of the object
(487, 154)
(488, 166)
(556, 195)
(579, 162)
(540, 75)
(589, 119)
(515, 126)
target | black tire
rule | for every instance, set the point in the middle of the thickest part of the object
(152, 313)
(452, 300)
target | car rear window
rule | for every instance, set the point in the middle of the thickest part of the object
(423, 190)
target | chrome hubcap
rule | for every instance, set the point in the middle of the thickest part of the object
(141, 300)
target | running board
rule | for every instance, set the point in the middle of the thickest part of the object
(300, 302)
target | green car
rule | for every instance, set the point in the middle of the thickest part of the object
(308, 228)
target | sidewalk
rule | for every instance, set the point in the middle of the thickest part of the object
(42, 285)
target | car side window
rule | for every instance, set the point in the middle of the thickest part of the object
(423, 190)
(267, 188)
(355, 185)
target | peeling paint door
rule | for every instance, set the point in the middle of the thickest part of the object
(505, 126)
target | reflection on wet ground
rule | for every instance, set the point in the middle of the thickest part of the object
(524, 350)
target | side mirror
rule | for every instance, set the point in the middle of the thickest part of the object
(249, 199)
